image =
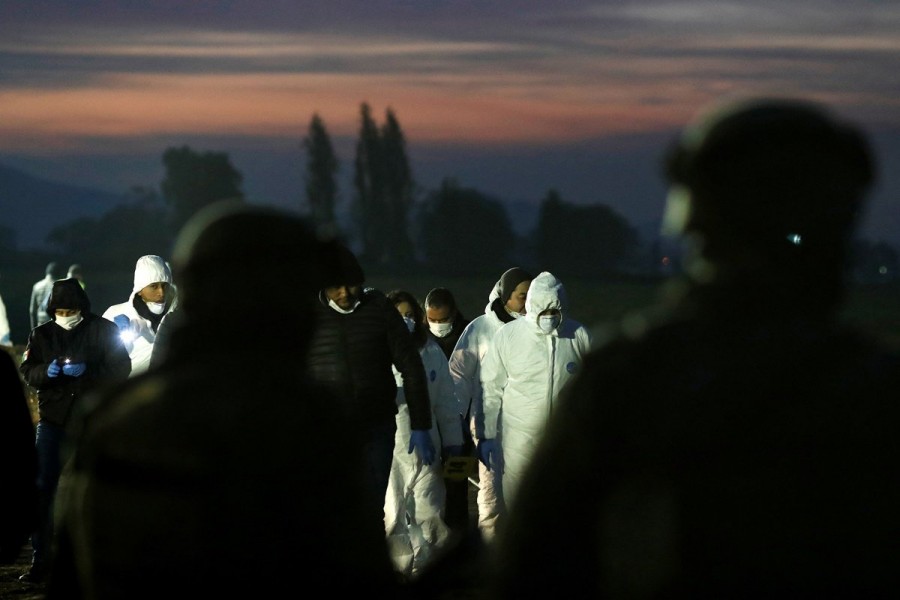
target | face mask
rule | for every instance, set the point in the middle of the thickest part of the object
(513, 314)
(334, 305)
(440, 329)
(68, 323)
(410, 323)
(157, 308)
(549, 322)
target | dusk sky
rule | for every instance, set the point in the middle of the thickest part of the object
(512, 97)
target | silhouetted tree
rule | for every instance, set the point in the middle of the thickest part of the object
(321, 170)
(136, 227)
(370, 208)
(399, 191)
(195, 179)
(583, 241)
(463, 231)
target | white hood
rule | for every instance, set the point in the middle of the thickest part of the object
(150, 269)
(545, 292)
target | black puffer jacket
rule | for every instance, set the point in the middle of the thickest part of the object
(352, 354)
(95, 341)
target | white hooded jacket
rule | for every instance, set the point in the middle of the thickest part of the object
(523, 372)
(139, 339)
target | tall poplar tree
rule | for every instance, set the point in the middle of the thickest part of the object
(321, 170)
(370, 209)
(195, 179)
(399, 191)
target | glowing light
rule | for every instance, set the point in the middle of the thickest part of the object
(794, 238)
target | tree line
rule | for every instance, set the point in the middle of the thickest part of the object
(394, 225)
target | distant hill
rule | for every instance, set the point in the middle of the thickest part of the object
(33, 206)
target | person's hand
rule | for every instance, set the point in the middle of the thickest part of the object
(53, 369)
(420, 439)
(490, 455)
(122, 321)
(74, 369)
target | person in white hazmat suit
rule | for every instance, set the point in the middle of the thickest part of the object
(506, 303)
(526, 366)
(152, 296)
(415, 498)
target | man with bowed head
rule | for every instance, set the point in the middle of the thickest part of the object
(138, 318)
(737, 440)
(206, 476)
(359, 336)
(69, 356)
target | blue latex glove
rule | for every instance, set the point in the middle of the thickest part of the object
(53, 369)
(420, 440)
(74, 369)
(490, 454)
(122, 321)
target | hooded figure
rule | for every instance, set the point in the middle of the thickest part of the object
(138, 318)
(40, 292)
(204, 476)
(526, 366)
(66, 358)
(505, 304)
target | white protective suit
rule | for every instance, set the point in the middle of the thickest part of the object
(416, 496)
(522, 374)
(139, 339)
(465, 369)
(4, 326)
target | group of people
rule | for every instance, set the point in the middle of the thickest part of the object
(733, 441)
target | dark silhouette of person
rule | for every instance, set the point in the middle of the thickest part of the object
(737, 440)
(216, 473)
(18, 517)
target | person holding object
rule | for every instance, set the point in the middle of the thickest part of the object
(66, 358)
(138, 318)
(415, 503)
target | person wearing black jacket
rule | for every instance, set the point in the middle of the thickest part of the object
(359, 335)
(66, 358)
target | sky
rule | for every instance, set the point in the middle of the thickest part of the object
(512, 97)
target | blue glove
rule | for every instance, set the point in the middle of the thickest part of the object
(420, 439)
(490, 454)
(74, 369)
(53, 369)
(122, 321)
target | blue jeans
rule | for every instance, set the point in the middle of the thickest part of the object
(48, 443)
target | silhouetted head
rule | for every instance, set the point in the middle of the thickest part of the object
(767, 186)
(52, 269)
(251, 269)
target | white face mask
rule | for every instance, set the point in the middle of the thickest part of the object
(334, 305)
(440, 329)
(410, 323)
(157, 308)
(69, 322)
(548, 323)
(514, 314)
